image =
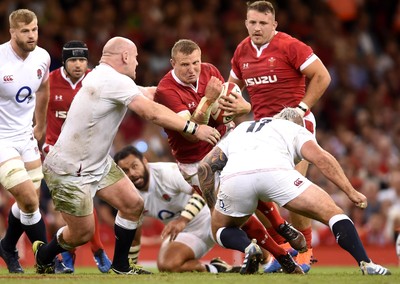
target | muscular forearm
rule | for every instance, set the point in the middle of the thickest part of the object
(331, 169)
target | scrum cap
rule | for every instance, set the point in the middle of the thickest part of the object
(74, 49)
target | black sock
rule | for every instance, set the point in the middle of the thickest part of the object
(347, 237)
(123, 241)
(13, 233)
(48, 252)
(36, 232)
(234, 238)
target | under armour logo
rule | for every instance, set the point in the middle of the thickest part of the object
(298, 182)
(58, 97)
(191, 105)
(245, 65)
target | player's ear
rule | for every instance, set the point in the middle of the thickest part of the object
(125, 56)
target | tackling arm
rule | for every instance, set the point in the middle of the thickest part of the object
(166, 118)
(332, 170)
(214, 161)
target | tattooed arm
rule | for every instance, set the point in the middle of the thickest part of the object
(213, 162)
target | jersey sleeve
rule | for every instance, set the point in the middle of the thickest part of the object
(300, 137)
(235, 70)
(126, 92)
(298, 52)
(176, 180)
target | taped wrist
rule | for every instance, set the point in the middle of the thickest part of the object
(190, 127)
(203, 111)
(134, 254)
(302, 108)
(193, 207)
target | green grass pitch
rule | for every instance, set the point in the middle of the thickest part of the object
(324, 275)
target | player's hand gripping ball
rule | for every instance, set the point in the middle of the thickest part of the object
(216, 111)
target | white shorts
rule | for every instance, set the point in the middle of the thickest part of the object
(197, 234)
(24, 146)
(74, 194)
(239, 193)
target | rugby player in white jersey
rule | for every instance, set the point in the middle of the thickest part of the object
(257, 161)
(24, 94)
(79, 165)
(169, 197)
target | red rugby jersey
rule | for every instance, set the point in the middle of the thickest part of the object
(61, 96)
(178, 97)
(272, 75)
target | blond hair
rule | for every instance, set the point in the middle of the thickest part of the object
(21, 16)
(185, 46)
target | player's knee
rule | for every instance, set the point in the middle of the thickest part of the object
(12, 173)
(30, 203)
(169, 265)
(133, 209)
(36, 176)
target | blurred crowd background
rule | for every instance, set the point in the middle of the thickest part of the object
(358, 118)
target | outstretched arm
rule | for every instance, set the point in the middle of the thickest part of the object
(166, 118)
(332, 170)
(213, 162)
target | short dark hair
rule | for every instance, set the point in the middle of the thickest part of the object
(261, 6)
(125, 152)
(185, 46)
(74, 49)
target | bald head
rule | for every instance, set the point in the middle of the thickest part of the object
(120, 53)
(117, 45)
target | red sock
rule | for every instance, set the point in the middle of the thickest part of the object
(95, 241)
(270, 210)
(256, 230)
(308, 235)
(274, 235)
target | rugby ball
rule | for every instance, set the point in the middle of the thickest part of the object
(216, 112)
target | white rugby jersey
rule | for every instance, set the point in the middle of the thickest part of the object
(92, 122)
(168, 195)
(20, 79)
(265, 144)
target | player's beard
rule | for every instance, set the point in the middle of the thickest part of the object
(26, 47)
(145, 180)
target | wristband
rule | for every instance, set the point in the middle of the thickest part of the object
(193, 207)
(190, 127)
(302, 108)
